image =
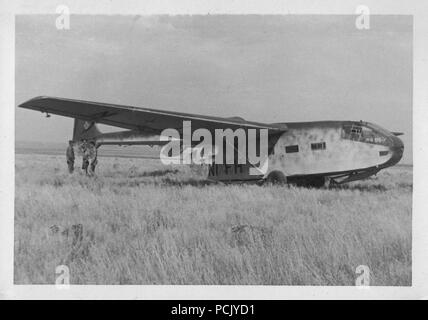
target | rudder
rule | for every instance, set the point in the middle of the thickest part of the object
(84, 130)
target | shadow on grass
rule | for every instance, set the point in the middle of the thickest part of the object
(156, 173)
(164, 182)
(188, 182)
(360, 187)
(404, 186)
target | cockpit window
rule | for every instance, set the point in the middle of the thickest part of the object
(356, 130)
(362, 134)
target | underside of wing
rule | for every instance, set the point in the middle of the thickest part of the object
(135, 118)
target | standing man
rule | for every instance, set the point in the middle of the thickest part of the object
(70, 156)
(85, 155)
(92, 156)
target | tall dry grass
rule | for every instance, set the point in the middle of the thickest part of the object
(144, 223)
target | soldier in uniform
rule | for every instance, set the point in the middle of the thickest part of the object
(70, 156)
(92, 156)
(85, 156)
(85, 163)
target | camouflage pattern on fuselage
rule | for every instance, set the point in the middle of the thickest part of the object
(342, 150)
(332, 147)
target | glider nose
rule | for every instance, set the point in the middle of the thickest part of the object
(397, 149)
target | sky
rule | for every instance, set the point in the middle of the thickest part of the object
(261, 67)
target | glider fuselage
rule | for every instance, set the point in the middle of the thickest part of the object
(343, 150)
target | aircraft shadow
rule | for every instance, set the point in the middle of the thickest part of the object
(156, 173)
(188, 182)
(136, 182)
(359, 187)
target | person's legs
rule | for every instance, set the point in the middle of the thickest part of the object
(93, 159)
(93, 165)
(85, 164)
(70, 164)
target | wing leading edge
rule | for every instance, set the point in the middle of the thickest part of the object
(135, 118)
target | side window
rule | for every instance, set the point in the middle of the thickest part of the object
(318, 146)
(292, 149)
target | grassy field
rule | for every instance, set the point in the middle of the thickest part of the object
(144, 223)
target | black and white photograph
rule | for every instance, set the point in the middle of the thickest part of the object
(214, 150)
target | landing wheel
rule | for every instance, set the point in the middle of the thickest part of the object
(276, 177)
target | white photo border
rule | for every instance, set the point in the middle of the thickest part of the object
(419, 11)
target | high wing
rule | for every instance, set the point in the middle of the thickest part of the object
(142, 119)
